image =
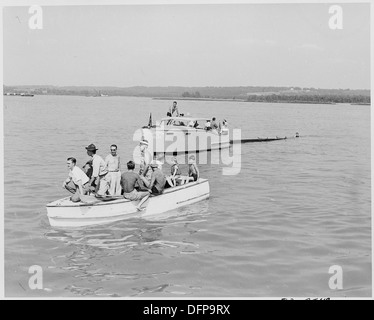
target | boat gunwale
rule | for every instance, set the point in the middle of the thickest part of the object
(115, 217)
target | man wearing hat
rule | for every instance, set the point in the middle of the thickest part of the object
(99, 171)
(145, 158)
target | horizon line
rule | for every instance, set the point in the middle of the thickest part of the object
(178, 86)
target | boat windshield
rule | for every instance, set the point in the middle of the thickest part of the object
(183, 122)
(174, 122)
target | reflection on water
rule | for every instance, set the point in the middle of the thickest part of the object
(128, 240)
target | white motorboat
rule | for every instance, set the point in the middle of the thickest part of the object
(176, 135)
(65, 213)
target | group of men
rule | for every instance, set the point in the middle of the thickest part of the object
(103, 177)
(99, 175)
(212, 125)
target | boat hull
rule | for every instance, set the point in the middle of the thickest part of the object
(64, 213)
(185, 140)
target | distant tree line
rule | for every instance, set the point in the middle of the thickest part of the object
(244, 93)
(314, 98)
(187, 94)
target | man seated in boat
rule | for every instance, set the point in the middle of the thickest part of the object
(129, 180)
(193, 170)
(87, 168)
(77, 182)
(100, 175)
(224, 129)
(214, 124)
(156, 161)
(224, 124)
(208, 126)
(192, 123)
(158, 180)
(180, 122)
(176, 176)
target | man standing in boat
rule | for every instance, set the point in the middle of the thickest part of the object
(145, 158)
(77, 182)
(129, 180)
(99, 171)
(112, 161)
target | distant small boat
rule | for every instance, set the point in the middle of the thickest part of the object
(65, 213)
(19, 94)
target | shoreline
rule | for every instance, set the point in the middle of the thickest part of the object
(198, 99)
(194, 99)
(242, 100)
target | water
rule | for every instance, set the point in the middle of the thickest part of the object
(297, 207)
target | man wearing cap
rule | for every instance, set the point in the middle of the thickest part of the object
(158, 180)
(156, 161)
(77, 182)
(99, 171)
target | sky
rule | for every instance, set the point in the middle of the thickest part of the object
(188, 45)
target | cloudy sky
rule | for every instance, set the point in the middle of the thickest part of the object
(189, 45)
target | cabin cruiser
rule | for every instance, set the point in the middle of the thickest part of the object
(176, 135)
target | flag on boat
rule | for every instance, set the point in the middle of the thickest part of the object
(150, 120)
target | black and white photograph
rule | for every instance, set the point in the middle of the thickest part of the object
(180, 150)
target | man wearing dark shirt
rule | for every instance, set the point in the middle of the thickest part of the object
(158, 180)
(128, 181)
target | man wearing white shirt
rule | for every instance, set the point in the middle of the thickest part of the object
(99, 171)
(113, 164)
(77, 181)
(174, 110)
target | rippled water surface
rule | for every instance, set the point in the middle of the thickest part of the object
(297, 207)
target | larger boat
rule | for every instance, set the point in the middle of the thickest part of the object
(176, 135)
(65, 213)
